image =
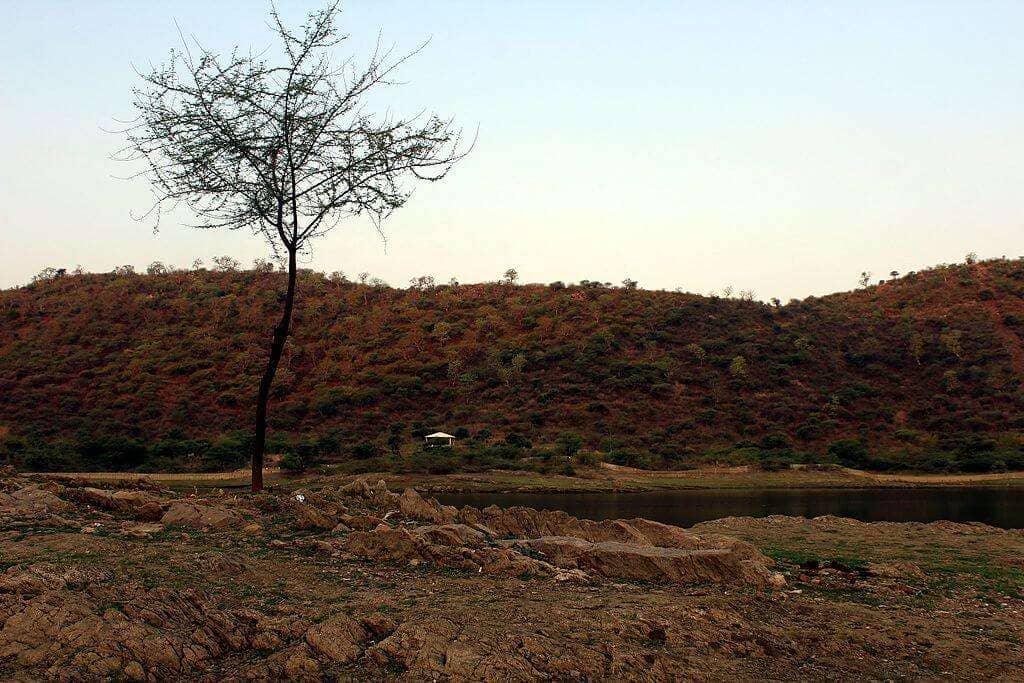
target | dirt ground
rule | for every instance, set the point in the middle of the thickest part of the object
(133, 581)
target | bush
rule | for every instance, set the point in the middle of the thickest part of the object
(849, 452)
(57, 457)
(812, 428)
(569, 443)
(115, 453)
(630, 457)
(364, 451)
(775, 440)
(518, 441)
(225, 455)
(293, 462)
(777, 459)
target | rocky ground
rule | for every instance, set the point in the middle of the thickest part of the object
(132, 581)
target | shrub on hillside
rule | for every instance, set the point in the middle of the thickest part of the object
(364, 451)
(293, 462)
(569, 443)
(225, 455)
(518, 440)
(849, 452)
(115, 453)
(55, 457)
(631, 457)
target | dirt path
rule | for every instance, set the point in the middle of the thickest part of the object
(622, 470)
(159, 477)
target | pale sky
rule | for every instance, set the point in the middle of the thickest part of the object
(779, 146)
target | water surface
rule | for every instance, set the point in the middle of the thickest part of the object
(1002, 507)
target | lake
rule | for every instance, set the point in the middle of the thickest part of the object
(1002, 507)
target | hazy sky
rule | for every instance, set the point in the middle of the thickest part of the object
(778, 146)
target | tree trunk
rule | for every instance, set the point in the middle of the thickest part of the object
(276, 349)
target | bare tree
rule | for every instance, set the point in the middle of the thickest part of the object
(284, 149)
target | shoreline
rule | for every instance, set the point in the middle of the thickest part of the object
(605, 479)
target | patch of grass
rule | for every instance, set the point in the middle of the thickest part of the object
(803, 557)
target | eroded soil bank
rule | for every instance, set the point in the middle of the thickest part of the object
(351, 580)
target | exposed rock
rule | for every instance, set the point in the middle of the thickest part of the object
(413, 505)
(388, 544)
(360, 522)
(301, 665)
(400, 545)
(309, 517)
(42, 577)
(357, 487)
(635, 549)
(133, 671)
(378, 625)
(381, 495)
(33, 500)
(141, 505)
(663, 535)
(377, 494)
(446, 649)
(453, 535)
(199, 516)
(522, 522)
(221, 563)
(338, 639)
(422, 648)
(166, 633)
(143, 530)
(612, 559)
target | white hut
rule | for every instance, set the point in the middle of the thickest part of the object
(439, 439)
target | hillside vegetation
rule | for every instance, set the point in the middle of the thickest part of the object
(124, 370)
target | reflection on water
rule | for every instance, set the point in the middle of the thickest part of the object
(998, 507)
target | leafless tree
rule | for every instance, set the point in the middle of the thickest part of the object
(281, 143)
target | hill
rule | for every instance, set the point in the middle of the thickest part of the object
(922, 371)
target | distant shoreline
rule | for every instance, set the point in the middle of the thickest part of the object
(606, 479)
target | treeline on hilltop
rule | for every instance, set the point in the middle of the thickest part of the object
(159, 372)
